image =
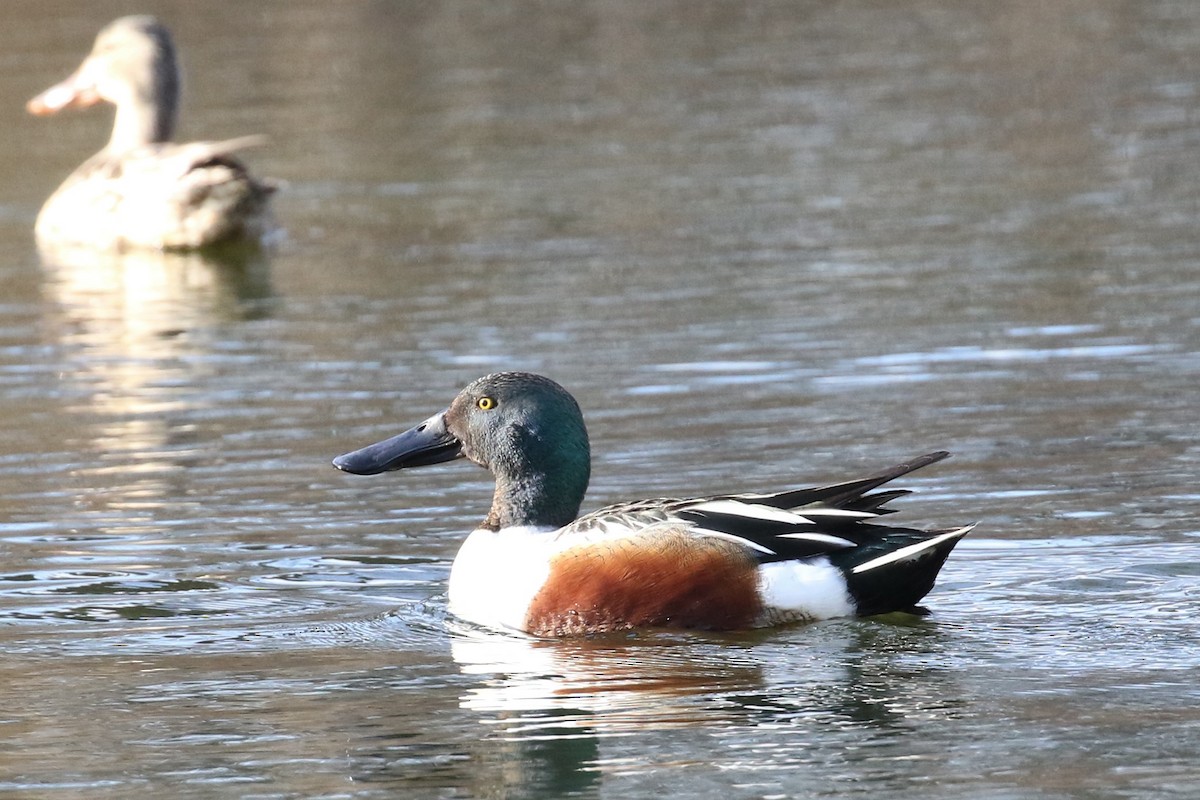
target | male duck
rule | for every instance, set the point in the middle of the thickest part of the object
(140, 190)
(719, 563)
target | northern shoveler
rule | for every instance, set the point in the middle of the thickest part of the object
(141, 190)
(725, 562)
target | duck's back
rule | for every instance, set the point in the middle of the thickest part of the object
(162, 196)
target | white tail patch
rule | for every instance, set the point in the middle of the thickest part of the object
(912, 550)
(811, 589)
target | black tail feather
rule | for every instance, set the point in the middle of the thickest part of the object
(856, 489)
(853, 494)
(899, 584)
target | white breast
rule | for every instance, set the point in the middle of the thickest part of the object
(496, 575)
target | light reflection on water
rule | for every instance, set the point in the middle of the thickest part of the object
(765, 245)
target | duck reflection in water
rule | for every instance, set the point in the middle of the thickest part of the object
(137, 329)
(565, 708)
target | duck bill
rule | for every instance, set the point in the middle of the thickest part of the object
(427, 443)
(75, 92)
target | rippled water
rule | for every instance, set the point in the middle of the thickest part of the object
(764, 245)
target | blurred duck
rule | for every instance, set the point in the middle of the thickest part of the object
(141, 190)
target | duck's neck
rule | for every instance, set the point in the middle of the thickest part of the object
(147, 114)
(548, 498)
(542, 501)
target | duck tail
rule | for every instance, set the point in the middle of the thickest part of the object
(897, 572)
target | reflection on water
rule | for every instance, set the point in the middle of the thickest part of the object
(596, 687)
(133, 305)
(137, 332)
(860, 688)
(612, 686)
(137, 325)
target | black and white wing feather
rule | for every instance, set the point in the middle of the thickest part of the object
(794, 524)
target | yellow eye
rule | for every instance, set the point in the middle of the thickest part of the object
(485, 403)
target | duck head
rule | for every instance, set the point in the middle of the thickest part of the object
(133, 66)
(525, 429)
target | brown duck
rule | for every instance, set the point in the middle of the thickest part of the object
(142, 190)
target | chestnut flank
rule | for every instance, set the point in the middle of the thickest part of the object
(660, 579)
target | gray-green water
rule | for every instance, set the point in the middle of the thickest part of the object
(765, 245)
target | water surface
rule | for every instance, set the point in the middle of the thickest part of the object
(765, 246)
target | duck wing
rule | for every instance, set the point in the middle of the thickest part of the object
(780, 526)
